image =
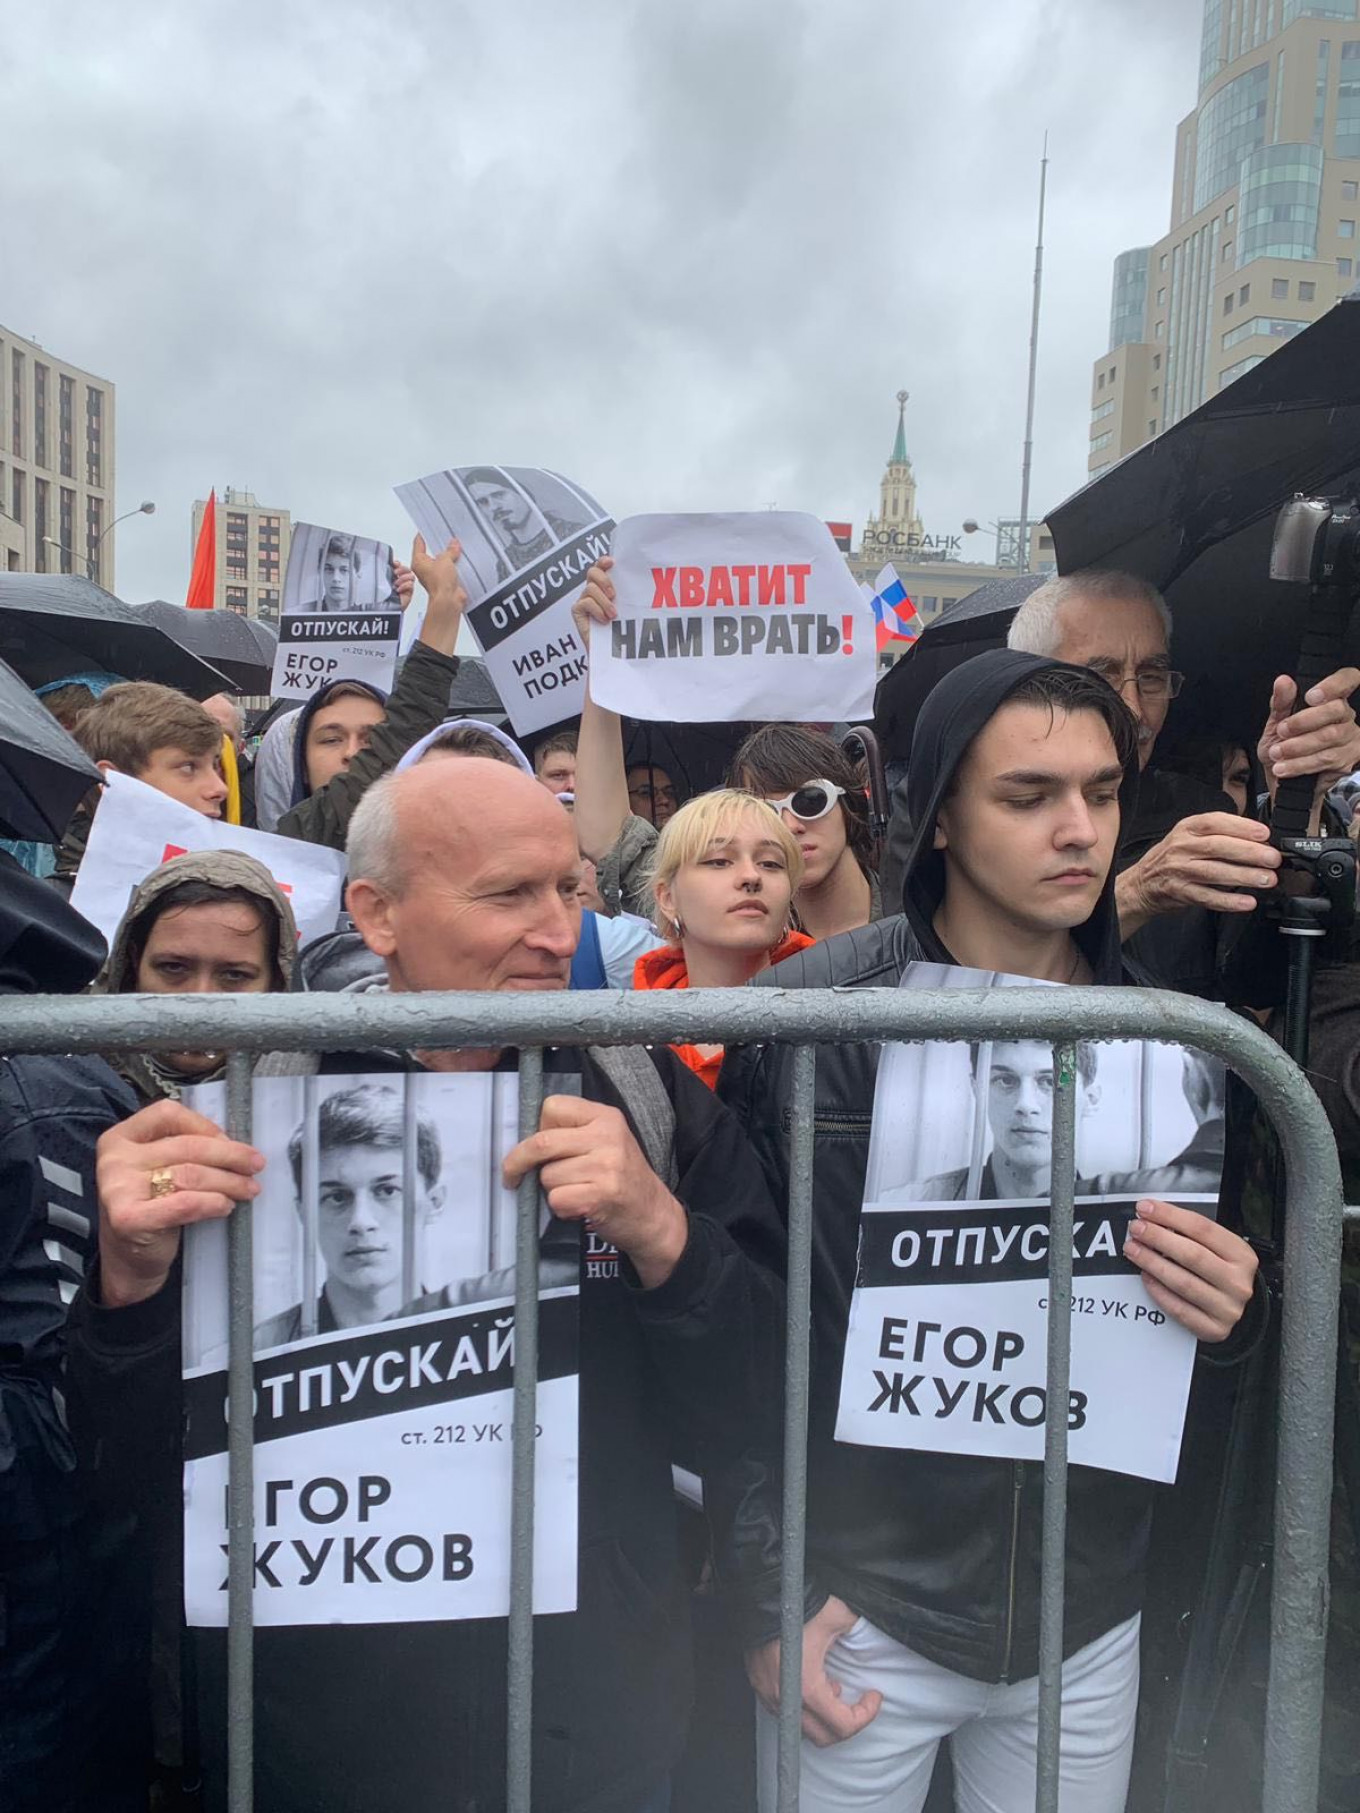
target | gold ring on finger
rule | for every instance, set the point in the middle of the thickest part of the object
(162, 1182)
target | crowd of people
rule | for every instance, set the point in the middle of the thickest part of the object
(1047, 827)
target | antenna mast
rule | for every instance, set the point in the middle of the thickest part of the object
(1022, 551)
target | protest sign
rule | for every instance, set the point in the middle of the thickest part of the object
(137, 828)
(727, 618)
(341, 614)
(946, 1345)
(528, 537)
(383, 1259)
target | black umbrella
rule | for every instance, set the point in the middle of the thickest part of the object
(1194, 511)
(44, 773)
(695, 756)
(970, 626)
(473, 694)
(240, 647)
(52, 625)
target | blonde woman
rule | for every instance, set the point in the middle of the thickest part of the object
(723, 877)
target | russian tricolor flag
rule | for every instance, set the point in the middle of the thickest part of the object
(895, 615)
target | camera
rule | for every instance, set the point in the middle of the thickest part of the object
(1317, 542)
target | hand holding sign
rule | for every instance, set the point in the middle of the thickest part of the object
(592, 1170)
(138, 1228)
(1197, 1272)
(596, 603)
(404, 580)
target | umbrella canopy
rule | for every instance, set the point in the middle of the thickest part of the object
(696, 756)
(241, 648)
(473, 694)
(969, 627)
(54, 624)
(1194, 511)
(44, 773)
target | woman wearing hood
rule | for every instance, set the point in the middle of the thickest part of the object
(348, 733)
(209, 922)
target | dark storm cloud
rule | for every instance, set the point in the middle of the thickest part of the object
(685, 253)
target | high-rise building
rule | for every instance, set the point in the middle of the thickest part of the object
(252, 553)
(1264, 206)
(933, 568)
(56, 464)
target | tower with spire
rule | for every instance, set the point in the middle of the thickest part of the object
(896, 527)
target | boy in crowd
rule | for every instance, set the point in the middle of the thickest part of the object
(555, 762)
(923, 1569)
(158, 736)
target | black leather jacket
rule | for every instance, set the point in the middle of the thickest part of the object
(939, 1551)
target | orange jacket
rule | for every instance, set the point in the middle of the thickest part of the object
(665, 968)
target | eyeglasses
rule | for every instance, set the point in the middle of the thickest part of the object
(1152, 682)
(810, 802)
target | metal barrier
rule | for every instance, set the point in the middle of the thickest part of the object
(1314, 1217)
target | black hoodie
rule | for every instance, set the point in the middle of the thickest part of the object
(964, 702)
(940, 1551)
(52, 1110)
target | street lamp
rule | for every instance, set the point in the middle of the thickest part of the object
(1011, 531)
(92, 559)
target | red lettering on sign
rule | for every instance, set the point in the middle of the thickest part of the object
(691, 585)
(771, 585)
(663, 587)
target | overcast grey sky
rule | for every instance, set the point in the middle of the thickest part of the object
(685, 253)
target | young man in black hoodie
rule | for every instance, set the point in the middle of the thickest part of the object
(923, 1568)
(52, 1111)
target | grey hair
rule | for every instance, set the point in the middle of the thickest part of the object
(373, 845)
(1034, 628)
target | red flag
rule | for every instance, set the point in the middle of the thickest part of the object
(203, 579)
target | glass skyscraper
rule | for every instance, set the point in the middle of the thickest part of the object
(1264, 208)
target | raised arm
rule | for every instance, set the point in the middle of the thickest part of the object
(601, 809)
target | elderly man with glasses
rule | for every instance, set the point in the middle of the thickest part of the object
(1212, 860)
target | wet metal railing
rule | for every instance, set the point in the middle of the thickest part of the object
(529, 1023)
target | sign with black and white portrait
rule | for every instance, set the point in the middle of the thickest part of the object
(384, 1359)
(341, 613)
(528, 538)
(946, 1348)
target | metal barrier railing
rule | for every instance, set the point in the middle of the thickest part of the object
(1313, 1226)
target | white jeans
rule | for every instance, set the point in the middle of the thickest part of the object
(886, 1767)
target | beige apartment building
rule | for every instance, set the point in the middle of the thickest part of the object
(56, 464)
(1264, 210)
(935, 568)
(252, 553)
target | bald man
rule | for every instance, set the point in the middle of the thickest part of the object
(465, 875)
(229, 715)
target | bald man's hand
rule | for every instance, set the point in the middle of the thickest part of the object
(592, 1170)
(1322, 739)
(1208, 860)
(139, 1231)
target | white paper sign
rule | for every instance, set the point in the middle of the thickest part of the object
(946, 1348)
(529, 537)
(725, 618)
(384, 1341)
(137, 828)
(341, 615)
